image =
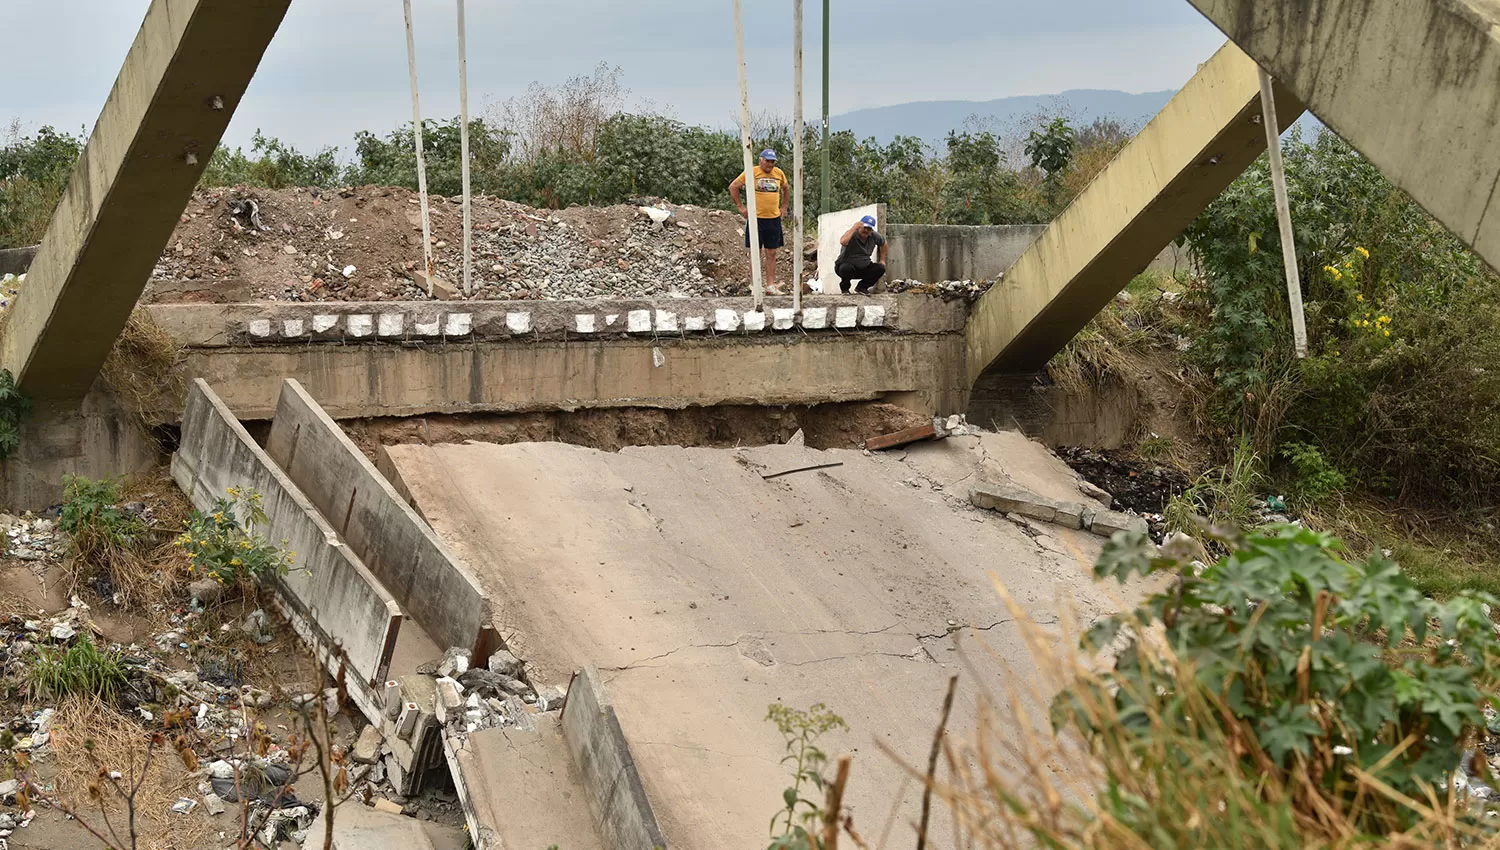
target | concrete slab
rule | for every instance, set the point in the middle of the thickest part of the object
(525, 788)
(358, 827)
(703, 593)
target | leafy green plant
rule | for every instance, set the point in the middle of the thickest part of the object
(102, 538)
(1316, 479)
(13, 407)
(1226, 496)
(81, 669)
(801, 730)
(223, 546)
(1155, 447)
(1328, 669)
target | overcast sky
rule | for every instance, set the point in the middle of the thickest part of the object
(337, 66)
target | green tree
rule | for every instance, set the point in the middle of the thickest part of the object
(34, 171)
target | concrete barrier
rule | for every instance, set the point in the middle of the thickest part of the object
(616, 795)
(331, 598)
(830, 227)
(936, 252)
(16, 260)
(379, 525)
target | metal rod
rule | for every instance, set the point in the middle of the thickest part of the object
(416, 111)
(825, 204)
(463, 113)
(752, 228)
(798, 176)
(1283, 214)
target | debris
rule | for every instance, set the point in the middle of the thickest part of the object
(384, 805)
(504, 663)
(257, 625)
(801, 469)
(349, 271)
(902, 438)
(63, 632)
(184, 805)
(203, 593)
(367, 747)
(214, 803)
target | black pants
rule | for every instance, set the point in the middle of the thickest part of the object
(865, 276)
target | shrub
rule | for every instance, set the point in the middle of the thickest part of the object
(81, 669)
(801, 730)
(102, 538)
(13, 406)
(1326, 670)
(223, 546)
(1315, 479)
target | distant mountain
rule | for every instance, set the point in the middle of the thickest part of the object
(931, 120)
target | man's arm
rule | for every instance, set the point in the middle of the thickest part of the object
(849, 234)
(884, 247)
(786, 194)
(735, 194)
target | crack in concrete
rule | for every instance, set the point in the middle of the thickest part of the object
(961, 627)
(633, 664)
(703, 750)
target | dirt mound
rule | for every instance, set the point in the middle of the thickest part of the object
(309, 244)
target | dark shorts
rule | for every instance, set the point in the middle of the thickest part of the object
(771, 235)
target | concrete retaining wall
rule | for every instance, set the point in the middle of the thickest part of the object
(934, 252)
(830, 227)
(16, 260)
(378, 525)
(330, 595)
(616, 795)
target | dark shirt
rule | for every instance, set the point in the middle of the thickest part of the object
(859, 248)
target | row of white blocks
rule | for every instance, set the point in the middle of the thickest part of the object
(394, 325)
(726, 321)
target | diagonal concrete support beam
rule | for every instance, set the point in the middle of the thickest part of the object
(1413, 84)
(183, 78)
(1196, 146)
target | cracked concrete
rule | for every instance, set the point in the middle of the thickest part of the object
(847, 586)
(526, 789)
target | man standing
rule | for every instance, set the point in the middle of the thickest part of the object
(855, 261)
(771, 193)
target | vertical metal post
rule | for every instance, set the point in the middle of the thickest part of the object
(463, 114)
(416, 111)
(797, 170)
(825, 205)
(751, 224)
(1283, 214)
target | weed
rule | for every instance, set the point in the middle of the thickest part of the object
(801, 729)
(1155, 447)
(79, 670)
(13, 406)
(102, 538)
(1226, 496)
(223, 546)
(142, 369)
(1316, 479)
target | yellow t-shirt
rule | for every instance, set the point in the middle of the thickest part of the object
(767, 191)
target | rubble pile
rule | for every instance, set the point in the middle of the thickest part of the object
(31, 538)
(365, 243)
(967, 291)
(499, 694)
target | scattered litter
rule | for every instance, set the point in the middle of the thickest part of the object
(184, 805)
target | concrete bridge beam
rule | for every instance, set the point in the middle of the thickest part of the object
(184, 76)
(1414, 85)
(1196, 146)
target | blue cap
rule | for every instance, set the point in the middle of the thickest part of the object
(868, 221)
(768, 154)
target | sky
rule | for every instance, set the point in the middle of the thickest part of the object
(337, 66)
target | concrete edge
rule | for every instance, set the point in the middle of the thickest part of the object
(1010, 499)
(482, 837)
(187, 475)
(479, 635)
(617, 796)
(16, 260)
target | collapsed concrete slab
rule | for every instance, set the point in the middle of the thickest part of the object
(390, 538)
(1010, 499)
(610, 778)
(335, 603)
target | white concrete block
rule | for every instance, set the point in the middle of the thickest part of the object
(782, 318)
(814, 318)
(458, 324)
(611, 318)
(666, 321)
(323, 324)
(872, 316)
(755, 321)
(726, 320)
(391, 693)
(584, 323)
(292, 328)
(407, 722)
(449, 701)
(431, 328)
(359, 324)
(260, 327)
(518, 323)
(391, 324)
(638, 321)
(846, 317)
(695, 323)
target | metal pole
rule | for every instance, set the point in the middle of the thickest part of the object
(751, 225)
(463, 112)
(797, 171)
(1283, 214)
(416, 111)
(825, 205)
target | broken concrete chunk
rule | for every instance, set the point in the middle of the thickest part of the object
(1107, 523)
(505, 663)
(214, 803)
(449, 703)
(454, 664)
(367, 748)
(441, 289)
(1009, 498)
(1088, 488)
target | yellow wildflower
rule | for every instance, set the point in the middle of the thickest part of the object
(236, 562)
(1359, 298)
(1387, 333)
(1384, 320)
(1362, 252)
